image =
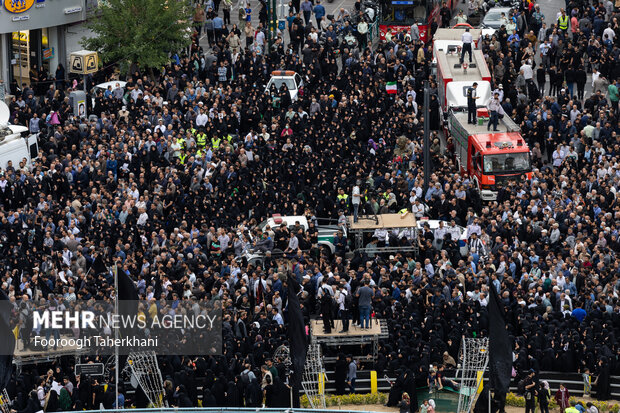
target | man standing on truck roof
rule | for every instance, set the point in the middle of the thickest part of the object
(495, 108)
(467, 40)
(471, 103)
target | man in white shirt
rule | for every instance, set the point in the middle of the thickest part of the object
(356, 199)
(500, 92)
(609, 32)
(441, 231)
(558, 156)
(260, 37)
(467, 40)
(495, 109)
(202, 118)
(528, 73)
(544, 52)
(418, 209)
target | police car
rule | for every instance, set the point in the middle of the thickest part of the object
(286, 77)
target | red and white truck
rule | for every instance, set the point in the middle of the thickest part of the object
(488, 158)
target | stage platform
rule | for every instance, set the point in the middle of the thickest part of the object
(28, 356)
(386, 221)
(355, 336)
(354, 331)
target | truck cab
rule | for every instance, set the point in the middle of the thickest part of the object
(286, 77)
(496, 159)
(489, 158)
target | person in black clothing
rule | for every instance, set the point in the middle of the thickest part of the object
(396, 390)
(471, 103)
(327, 307)
(207, 398)
(544, 394)
(32, 406)
(541, 79)
(602, 380)
(446, 15)
(530, 394)
(340, 373)
(409, 387)
(581, 79)
(270, 393)
(232, 395)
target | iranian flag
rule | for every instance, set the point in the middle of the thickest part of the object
(391, 88)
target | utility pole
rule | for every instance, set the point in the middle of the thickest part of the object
(116, 329)
(427, 132)
(272, 23)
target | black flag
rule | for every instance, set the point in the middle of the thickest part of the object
(297, 338)
(7, 343)
(126, 288)
(127, 306)
(500, 350)
(127, 301)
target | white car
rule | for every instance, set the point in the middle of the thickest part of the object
(434, 224)
(104, 86)
(286, 77)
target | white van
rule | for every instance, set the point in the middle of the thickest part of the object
(16, 143)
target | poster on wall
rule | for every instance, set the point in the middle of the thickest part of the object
(48, 53)
(82, 108)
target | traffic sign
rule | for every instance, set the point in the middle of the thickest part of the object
(84, 62)
(90, 369)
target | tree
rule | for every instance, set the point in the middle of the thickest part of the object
(142, 32)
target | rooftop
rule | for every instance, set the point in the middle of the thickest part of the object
(450, 66)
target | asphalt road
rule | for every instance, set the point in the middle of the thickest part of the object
(330, 8)
(549, 8)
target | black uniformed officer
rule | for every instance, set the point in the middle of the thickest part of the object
(471, 103)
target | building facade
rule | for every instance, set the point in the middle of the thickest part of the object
(38, 34)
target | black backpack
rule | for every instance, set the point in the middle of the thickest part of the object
(348, 300)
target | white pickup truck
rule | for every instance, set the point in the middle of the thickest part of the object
(286, 77)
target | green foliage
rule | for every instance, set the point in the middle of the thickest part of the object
(143, 32)
(348, 399)
(603, 406)
(381, 398)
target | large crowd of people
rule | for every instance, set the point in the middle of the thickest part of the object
(172, 175)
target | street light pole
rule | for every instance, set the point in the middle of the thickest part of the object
(272, 22)
(116, 329)
(427, 132)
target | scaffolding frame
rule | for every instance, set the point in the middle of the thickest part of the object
(355, 340)
(5, 402)
(144, 368)
(475, 358)
(313, 380)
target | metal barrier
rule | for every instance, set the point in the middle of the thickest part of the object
(218, 410)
